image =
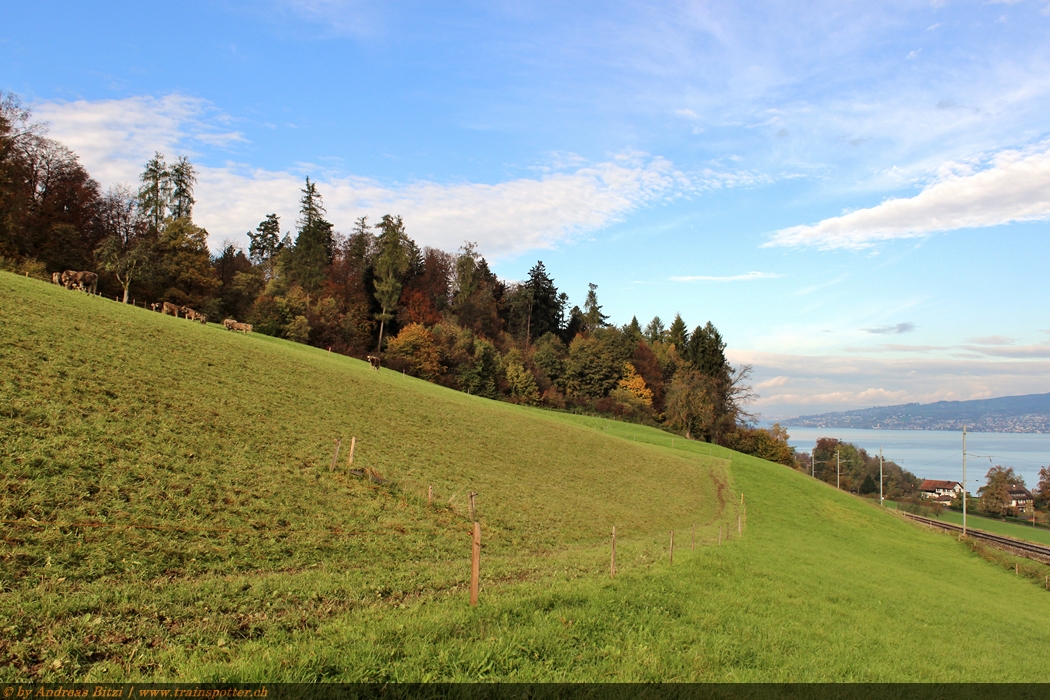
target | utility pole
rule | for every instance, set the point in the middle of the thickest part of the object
(880, 475)
(838, 471)
(964, 480)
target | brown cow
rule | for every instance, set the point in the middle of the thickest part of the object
(155, 306)
(56, 277)
(374, 362)
(228, 324)
(169, 308)
(243, 327)
(84, 281)
(194, 315)
(88, 282)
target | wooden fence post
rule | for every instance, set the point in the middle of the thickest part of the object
(430, 495)
(612, 564)
(335, 457)
(353, 445)
(692, 543)
(473, 510)
(670, 551)
(475, 565)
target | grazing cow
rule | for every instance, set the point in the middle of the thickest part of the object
(155, 306)
(56, 277)
(231, 325)
(87, 281)
(69, 279)
(169, 308)
(374, 362)
(194, 315)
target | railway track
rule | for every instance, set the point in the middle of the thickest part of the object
(1031, 550)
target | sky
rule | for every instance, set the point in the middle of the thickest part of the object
(856, 194)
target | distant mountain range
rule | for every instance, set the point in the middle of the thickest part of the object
(1006, 414)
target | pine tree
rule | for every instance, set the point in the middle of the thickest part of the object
(545, 307)
(592, 311)
(655, 331)
(633, 330)
(183, 177)
(315, 243)
(265, 241)
(392, 262)
(677, 334)
(155, 193)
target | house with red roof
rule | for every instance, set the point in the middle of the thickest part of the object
(940, 491)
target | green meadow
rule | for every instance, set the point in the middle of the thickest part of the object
(997, 527)
(170, 513)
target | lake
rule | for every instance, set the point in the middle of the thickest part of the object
(936, 454)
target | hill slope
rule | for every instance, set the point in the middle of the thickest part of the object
(169, 513)
(1006, 414)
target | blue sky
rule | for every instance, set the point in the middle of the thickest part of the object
(857, 195)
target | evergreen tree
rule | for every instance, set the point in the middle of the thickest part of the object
(183, 177)
(155, 193)
(678, 334)
(633, 330)
(706, 351)
(315, 243)
(545, 307)
(655, 331)
(391, 263)
(592, 311)
(265, 241)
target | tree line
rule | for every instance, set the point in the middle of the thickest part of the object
(441, 316)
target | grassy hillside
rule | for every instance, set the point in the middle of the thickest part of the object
(169, 513)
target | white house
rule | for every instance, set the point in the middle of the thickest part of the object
(943, 491)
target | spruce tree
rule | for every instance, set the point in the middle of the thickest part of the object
(546, 307)
(315, 243)
(592, 311)
(678, 334)
(183, 177)
(392, 262)
(154, 193)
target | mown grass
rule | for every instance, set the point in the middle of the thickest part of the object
(115, 415)
(997, 527)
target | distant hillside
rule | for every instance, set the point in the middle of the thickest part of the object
(1006, 414)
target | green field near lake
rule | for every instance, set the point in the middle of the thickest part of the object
(170, 512)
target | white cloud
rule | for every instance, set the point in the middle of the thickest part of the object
(115, 137)
(1015, 186)
(732, 278)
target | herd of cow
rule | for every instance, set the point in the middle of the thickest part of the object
(71, 279)
(88, 282)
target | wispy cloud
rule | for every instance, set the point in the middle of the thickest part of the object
(1016, 351)
(730, 278)
(571, 197)
(890, 347)
(891, 330)
(1013, 186)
